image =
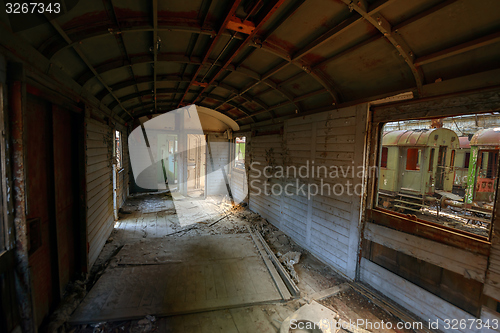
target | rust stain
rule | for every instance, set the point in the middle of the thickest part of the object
(86, 19)
(210, 100)
(371, 63)
(283, 44)
(313, 59)
(192, 15)
(129, 13)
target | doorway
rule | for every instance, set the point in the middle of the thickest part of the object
(441, 168)
(196, 165)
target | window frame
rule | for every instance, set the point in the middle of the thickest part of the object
(118, 160)
(235, 166)
(415, 226)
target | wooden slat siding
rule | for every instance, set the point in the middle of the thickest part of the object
(100, 219)
(268, 206)
(491, 316)
(456, 260)
(413, 298)
(239, 186)
(327, 225)
(219, 146)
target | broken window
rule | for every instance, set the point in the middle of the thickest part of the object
(239, 152)
(412, 159)
(118, 150)
(436, 174)
(383, 160)
(466, 160)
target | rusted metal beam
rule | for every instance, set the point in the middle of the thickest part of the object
(264, 77)
(313, 71)
(458, 49)
(141, 94)
(424, 13)
(140, 79)
(53, 46)
(333, 32)
(372, 9)
(137, 108)
(87, 62)
(295, 100)
(289, 12)
(381, 24)
(110, 9)
(213, 42)
(137, 60)
(268, 12)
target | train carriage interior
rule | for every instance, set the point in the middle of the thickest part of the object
(256, 166)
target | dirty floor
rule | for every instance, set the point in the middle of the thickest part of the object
(149, 221)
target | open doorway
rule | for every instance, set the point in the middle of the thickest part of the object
(196, 165)
(167, 171)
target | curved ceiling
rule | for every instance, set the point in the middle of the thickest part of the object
(255, 60)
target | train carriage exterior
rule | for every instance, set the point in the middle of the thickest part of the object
(462, 160)
(418, 162)
(483, 166)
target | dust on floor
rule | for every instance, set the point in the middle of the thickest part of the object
(150, 217)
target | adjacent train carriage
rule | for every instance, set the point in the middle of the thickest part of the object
(414, 165)
(483, 168)
(462, 160)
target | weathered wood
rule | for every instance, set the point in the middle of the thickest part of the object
(456, 260)
(440, 106)
(429, 231)
(413, 298)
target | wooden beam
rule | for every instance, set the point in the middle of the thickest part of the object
(469, 102)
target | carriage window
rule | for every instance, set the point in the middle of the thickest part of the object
(413, 159)
(118, 150)
(428, 172)
(239, 153)
(383, 160)
(431, 159)
(488, 162)
(466, 160)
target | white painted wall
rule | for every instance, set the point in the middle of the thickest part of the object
(219, 146)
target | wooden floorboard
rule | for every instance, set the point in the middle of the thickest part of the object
(203, 273)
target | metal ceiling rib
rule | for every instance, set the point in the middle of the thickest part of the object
(261, 68)
(89, 65)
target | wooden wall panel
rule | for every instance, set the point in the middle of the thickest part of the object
(460, 261)
(316, 210)
(411, 297)
(219, 146)
(100, 219)
(239, 186)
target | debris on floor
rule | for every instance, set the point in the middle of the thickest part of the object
(148, 224)
(289, 259)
